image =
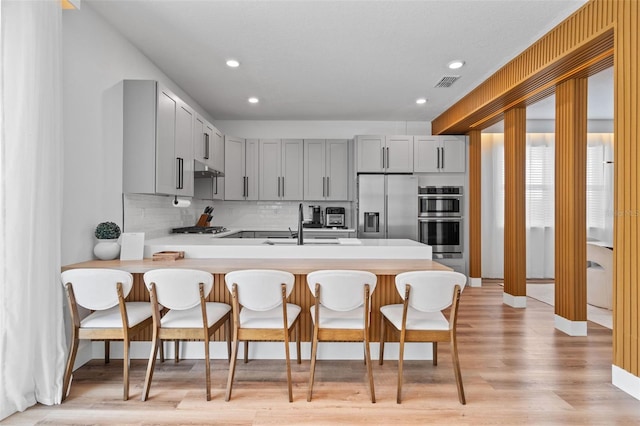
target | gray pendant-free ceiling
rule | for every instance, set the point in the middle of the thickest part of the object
(330, 60)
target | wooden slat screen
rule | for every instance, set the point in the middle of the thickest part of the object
(475, 204)
(515, 244)
(626, 253)
(601, 33)
(570, 200)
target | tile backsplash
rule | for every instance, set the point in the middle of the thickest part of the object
(155, 215)
(267, 214)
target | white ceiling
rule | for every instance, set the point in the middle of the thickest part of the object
(330, 60)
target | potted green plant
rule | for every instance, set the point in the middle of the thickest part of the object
(107, 247)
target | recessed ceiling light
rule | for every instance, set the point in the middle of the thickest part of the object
(233, 63)
(454, 65)
(421, 101)
(253, 100)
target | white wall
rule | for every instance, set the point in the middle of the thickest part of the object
(95, 60)
(310, 129)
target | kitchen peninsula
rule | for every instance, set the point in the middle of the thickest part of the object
(385, 258)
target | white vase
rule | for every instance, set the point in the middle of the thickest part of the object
(107, 249)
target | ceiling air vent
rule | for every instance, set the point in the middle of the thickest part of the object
(447, 81)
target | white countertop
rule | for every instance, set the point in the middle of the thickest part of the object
(202, 246)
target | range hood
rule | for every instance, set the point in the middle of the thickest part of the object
(203, 171)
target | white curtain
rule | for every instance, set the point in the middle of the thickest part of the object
(32, 341)
(540, 208)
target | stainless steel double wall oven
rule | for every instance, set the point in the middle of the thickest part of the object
(440, 220)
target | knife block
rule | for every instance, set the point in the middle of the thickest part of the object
(203, 220)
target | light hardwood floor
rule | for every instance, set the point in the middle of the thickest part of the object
(516, 368)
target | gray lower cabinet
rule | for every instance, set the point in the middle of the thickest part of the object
(158, 140)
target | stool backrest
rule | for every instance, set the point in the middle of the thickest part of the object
(431, 291)
(341, 290)
(96, 288)
(260, 289)
(179, 288)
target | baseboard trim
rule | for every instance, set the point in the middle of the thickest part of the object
(572, 328)
(625, 381)
(475, 282)
(514, 301)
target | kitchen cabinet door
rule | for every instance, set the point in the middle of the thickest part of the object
(270, 169)
(235, 176)
(370, 151)
(426, 154)
(201, 140)
(184, 149)
(314, 169)
(166, 165)
(157, 140)
(398, 154)
(252, 168)
(292, 169)
(326, 166)
(440, 154)
(454, 154)
(337, 169)
(208, 144)
(216, 149)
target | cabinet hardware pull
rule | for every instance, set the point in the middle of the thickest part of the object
(181, 173)
(442, 150)
(328, 186)
(206, 146)
(282, 186)
(177, 172)
(438, 157)
(323, 186)
(387, 157)
(215, 185)
(383, 158)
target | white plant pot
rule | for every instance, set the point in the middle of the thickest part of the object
(107, 249)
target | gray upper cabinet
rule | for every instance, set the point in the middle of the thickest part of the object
(326, 169)
(280, 169)
(399, 154)
(440, 154)
(384, 154)
(370, 151)
(241, 165)
(208, 144)
(158, 140)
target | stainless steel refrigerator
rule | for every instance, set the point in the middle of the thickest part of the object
(388, 206)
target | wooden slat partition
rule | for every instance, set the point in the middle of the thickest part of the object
(626, 252)
(601, 33)
(515, 247)
(571, 200)
(580, 46)
(475, 203)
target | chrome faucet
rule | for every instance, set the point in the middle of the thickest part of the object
(300, 219)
